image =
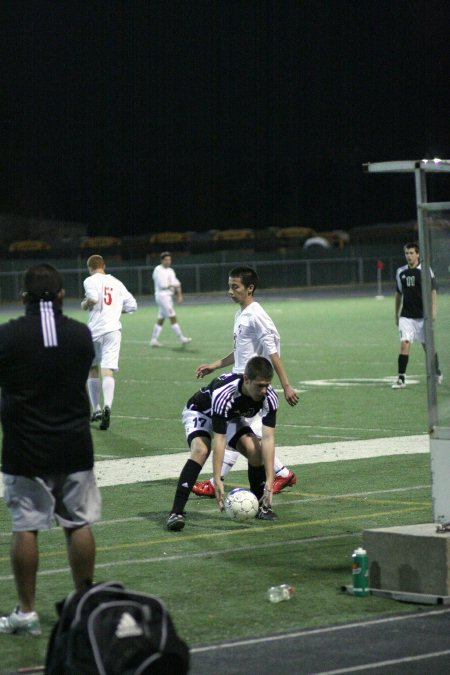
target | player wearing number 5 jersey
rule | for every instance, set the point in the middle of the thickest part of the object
(106, 298)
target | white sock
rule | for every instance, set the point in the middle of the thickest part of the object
(93, 384)
(24, 615)
(156, 331)
(280, 470)
(108, 384)
(229, 460)
(177, 330)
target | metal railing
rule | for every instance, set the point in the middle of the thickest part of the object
(213, 277)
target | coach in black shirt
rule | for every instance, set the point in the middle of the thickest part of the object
(47, 452)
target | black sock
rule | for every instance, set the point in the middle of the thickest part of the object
(402, 363)
(257, 480)
(186, 481)
(436, 363)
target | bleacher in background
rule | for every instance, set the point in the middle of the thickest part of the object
(34, 239)
(41, 239)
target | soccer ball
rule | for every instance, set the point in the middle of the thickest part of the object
(241, 505)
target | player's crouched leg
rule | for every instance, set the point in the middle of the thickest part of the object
(250, 446)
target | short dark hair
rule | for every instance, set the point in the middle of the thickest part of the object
(165, 254)
(412, 244)
(42, 282)
(247, 275)
(258, 366)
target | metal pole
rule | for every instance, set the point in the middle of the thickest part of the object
(380, 266)
(425, 252)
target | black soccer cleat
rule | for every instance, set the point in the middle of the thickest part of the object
(266, 513)
(106, 418)
(175, 522)
(96, 416)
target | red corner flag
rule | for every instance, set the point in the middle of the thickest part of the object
(380, 265)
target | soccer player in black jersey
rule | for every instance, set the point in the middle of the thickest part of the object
(409, 309)
(221, 411)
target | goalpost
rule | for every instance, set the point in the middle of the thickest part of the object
(434, 240)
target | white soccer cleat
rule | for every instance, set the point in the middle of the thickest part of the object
(28, 625)
(185, 340)
(439, 378)
(155, 343)
(400, 384)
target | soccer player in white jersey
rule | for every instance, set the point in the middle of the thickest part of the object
(106, 298)
(254, 334)
(166, 285)
(409, 310)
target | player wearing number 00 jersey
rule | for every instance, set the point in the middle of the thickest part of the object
(409, 310)
(106, 298)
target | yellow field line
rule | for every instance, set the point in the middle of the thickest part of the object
(170, 538)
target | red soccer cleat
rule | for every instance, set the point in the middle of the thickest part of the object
(281, 482)
(204, 488)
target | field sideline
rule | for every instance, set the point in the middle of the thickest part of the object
(140, 469)
(144, 469)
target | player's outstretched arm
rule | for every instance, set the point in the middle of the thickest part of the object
(290, 394)
(207, 368)
(218, 454)
(268, 456)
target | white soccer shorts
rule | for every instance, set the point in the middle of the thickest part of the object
(411, 330)
(195, 421)
(107, 350)
(165, 306)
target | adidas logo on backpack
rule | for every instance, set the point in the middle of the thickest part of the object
(128, 627)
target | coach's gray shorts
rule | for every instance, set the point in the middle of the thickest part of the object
(73, 500)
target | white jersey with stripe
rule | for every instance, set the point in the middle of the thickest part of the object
(111, 299)
(165, 280)
(254, 334)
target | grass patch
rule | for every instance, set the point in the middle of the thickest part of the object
(214, 574)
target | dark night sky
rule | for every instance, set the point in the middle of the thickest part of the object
(137, 116)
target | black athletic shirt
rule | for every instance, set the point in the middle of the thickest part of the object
(222, 400)
(44, 364)
(408, 284)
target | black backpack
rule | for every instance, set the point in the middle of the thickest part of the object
(108, 630)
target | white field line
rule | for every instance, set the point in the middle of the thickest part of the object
(143, 469)
(316, 631)
(390, 662)
(291, 501)
(182, 556)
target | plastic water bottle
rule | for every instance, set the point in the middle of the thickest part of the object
(360, 572)
(280, 593)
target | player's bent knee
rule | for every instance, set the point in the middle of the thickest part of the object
(200, 451)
